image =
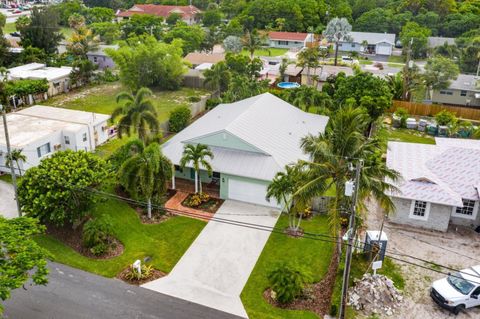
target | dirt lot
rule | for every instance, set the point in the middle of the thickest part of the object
(458, 248)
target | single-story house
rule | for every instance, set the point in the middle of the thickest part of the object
(42, 130)
(58, 78)
(198, 58)
(251, 140)
(190, 14)
(324, 72)
(434, 42)
(288, 40)
(377, 43)
(440, 183)
(464, 90)
(100, 58)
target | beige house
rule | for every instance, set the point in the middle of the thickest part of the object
(465, 90)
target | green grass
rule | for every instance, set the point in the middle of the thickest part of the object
(410, 136)
(9, 28)
(165, 243)
(365, 62)
(396, 59)
(6, 178)
(265, 52)
(313, 254)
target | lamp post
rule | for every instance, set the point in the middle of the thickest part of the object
(9, 152)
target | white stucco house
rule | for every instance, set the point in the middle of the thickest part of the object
(58, 78)
(252, 140)
(42, 130)
(440, 183)
(377, 43)
(288, 40)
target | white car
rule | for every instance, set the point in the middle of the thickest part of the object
(349, 60)
(458, 291)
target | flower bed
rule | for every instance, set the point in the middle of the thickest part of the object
(203, 202)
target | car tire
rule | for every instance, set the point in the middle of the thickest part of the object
(458, 309)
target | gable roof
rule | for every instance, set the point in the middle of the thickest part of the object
(159, 10)
(271, 126)
(465, 82)
(197, 58)
(287, 36)
(372, 38)
(443, 173)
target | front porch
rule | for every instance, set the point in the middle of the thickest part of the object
(188, 186)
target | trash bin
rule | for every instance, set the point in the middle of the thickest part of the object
(372, 238)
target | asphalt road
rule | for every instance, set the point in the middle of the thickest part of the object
(76, 294)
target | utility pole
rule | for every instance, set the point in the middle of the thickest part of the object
(351, 237)
(406, 68)
(9, 152)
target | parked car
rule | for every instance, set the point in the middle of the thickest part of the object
(458, 291)
(349, 60)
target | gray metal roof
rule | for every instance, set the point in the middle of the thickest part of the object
(266, 122)
(465, 82)
(372, 38)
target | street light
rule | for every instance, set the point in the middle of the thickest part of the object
(9, 151)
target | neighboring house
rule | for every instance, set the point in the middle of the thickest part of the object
(324, 72)
(465, 90)
(100, 58)
(58, 78)
(252, 140)
(42, 130)
(198, 58)
(377, 43)
(440, 183)
(434, 42)
(190, 14)
(288, 40)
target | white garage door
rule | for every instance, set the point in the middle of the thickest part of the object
(249, 192)
(384, 49)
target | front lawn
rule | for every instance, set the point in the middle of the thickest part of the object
(313, 254)
(265, 52)
(9, 28)
(164, 243)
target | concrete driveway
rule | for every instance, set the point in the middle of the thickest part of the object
(217, 265)
(8, 207)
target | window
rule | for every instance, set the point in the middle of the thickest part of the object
(84, 137)
(419, 210)
(463, 93)
(353, 45)
(469, 209)
(178, 169)
(44, 149)
(339, 45)
(67, 140)
(282, 42)
(446, 92)
(95, 59)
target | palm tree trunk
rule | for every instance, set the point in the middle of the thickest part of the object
(19, 170)
(336, 53)
(149, 208)
(200, 183)
(196, 181)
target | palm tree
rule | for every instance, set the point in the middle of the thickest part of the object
(146, 174)
(252, 41)
(331, 155)
(16, 156)
(337, 30)
(218, 76)
(308, 58)
(137, 114)
(282, 189)
(396, 85)
(197, 156)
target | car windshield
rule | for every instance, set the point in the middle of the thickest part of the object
(460, 284)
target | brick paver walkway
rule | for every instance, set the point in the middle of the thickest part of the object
(175, 203)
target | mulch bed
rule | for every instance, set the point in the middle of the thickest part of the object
(155, 275)
(319, 294)
(210, 206)
(73, 238)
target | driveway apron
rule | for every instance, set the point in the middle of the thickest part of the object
(217, 265)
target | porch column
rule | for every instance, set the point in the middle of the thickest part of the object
(173, 176)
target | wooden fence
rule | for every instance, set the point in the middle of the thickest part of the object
(432, 109)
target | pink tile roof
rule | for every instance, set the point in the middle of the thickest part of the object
(160, 10)
(287, 36)
(443, 173)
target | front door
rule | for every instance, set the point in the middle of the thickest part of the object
(473, 302)
(192, 174)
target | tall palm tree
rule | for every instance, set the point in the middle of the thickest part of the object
(396, 85)
(331, 155)
(16, 156)
(308, 58)
(338, 30)
(145, 174)
(137, 114)
(282, 188)
(197, 155)
(218, 76)
(252, 41)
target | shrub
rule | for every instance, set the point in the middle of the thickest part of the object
(403, 115)
(445, 117)
(211, 103)
(197, 199)
(133, 274)
(194, 99)
(333, 310)
(179, 119)
(288, 281)
(97, 235)
(107, 76)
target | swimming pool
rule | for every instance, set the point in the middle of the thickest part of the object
(288, 85)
